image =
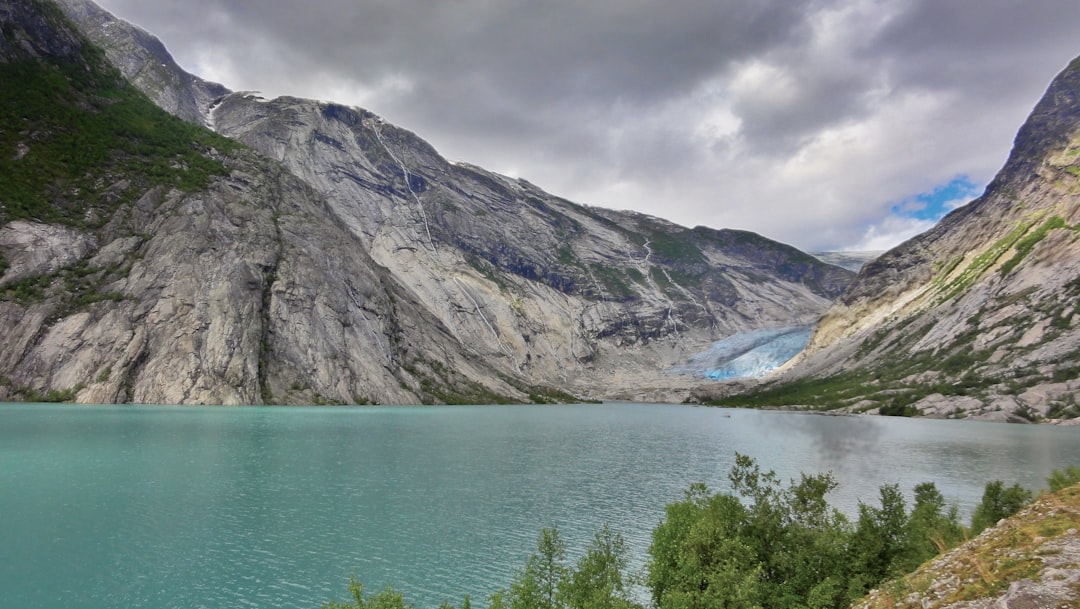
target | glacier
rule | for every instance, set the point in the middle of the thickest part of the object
(752, 354)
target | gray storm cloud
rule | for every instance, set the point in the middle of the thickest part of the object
(803, 121)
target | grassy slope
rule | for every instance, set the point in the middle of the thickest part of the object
(1033, 557)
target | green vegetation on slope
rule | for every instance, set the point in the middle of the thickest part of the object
(893, 376)
(764, 546)
(78, 142)
(1025, 245)
(981, 263)
(1035, 550)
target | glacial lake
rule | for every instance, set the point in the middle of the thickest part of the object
(194, 507)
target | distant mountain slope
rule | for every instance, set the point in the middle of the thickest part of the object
(544, 291)
(146, 260)
(979, 316)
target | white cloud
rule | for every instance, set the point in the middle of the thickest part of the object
(889, 232)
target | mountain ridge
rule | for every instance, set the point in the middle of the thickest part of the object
(486, 288)
(977, 317)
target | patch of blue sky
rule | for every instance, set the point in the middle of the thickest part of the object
(941, 200)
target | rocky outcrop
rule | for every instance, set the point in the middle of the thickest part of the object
(978, 316)
(145, 62)
(405, 278)
(233, 295)
(243, 288)
(558, 291)
(1030, 560)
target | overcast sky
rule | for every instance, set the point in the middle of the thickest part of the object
(826, 124)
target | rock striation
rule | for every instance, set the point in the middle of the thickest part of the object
(979, 316)
(337, 258)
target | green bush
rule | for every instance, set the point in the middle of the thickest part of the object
(1060, 478)
(997, 503)
(765, 545)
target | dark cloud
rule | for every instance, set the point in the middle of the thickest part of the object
(804, 121)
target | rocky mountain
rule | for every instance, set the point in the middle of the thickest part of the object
(979, 316)
(327, 257)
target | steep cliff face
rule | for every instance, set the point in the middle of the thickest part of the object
(145, 62)
(561, 292)
(980, 315)
(540, 290)
(146, 260)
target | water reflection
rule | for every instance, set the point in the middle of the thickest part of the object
(218, 507)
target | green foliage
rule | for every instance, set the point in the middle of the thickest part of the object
(567, 256)
(898, 410)
(997, 503)
(26, 291)
(614, 282)
(982, 262)
(537, 585)
(675, 249)
(1025, 245)
(763, 546)
(772, 546)
(697, 558)
(74, 132)
(1061, 478)
(932, 527)
(388, 598)
(597, 581)
(52, 395)
(780, 547)
(75, 288)
(439, 384)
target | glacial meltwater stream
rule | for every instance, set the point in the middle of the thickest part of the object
(189, 507)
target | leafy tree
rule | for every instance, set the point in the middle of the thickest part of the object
(764, 546)
(931, 528)
(537, 585)
(497, 600)
(997, 503)
(799, 540)
(778, 547)
(878, 540)
(697, 559)
(597, 580)
(1060, 478)
(388, 598)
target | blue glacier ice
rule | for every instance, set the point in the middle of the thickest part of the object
(751, 354)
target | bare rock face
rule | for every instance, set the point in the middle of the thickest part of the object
(501, 288)
(234, 295)
(559, 292)
(33, 249)
(144, 61)
(983, 306)
(352, 263)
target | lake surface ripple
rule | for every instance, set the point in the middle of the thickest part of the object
(189, 507)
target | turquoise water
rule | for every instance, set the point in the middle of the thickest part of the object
(124, 506)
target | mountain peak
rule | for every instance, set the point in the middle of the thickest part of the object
(977, 316)
(338, 258)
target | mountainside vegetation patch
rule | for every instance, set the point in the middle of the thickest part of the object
(79, 142)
